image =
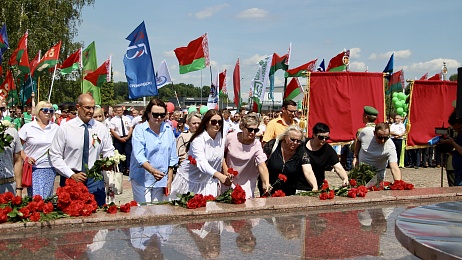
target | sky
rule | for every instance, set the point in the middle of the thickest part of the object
(422, 34)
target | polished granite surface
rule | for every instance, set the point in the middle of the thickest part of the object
(432, 231)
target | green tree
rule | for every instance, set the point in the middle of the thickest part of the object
(47, 22)
(453, 77)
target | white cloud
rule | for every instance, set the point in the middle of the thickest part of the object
(358, 66)
(169, 54)
(253, 60)
(253, 13)
(402, 54)
(354, 53)
(210, 11)
(431, 66)
(118, 76)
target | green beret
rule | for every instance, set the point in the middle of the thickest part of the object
(368, 110)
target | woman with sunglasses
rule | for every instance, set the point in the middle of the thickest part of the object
(201, 172)
(322, 156)
(193, 120)
(153, 155)
(36, 138)
(244, 154)
(286, 156)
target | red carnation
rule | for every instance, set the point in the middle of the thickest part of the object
(48, 208)
(112, 209)
(353, 183)
(331, 194)
(325, 185)
(25, 212)
(282, 177)
(133, 203)
(125, 208)
(192, 204)
(3, 217)
(7, 209)
(35, 216)
(238, 195)
(278, 193)
(352, 193)
(192, 160)
(38, 198)
(9, 196)
(209, 197)
(323, 196)
(17, 200)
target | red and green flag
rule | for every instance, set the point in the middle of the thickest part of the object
(293, 89)
(237, 84)
(339, 62)
(396, 82)
(279, 62)
(34, 62)
(301, 70)
(49, 60)
(195, 56)
(101, 74)
(72, 63)
(19, 57)
(8, 89)
(222, 82)
(89, 64)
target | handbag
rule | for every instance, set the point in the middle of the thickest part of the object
(26, 173)
(114, 179)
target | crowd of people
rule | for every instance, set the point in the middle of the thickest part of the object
(174, 152)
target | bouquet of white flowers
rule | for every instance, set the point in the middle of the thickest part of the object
(104, 165)
(5, 138)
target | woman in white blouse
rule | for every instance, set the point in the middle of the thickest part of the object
(36, 137)
(201, 171)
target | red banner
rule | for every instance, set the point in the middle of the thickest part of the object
(431, 105)
(338, 99)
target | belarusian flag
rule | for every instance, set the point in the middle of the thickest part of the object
(279, 62)
(8, 83)
(222, 82)
(293, 89)
(89, 64)
(301, 70)
(396, 82)
(33, 63)
(195, 56)
(49, 60)
(101, 74)
(20, 57)
(73, 62)
(237, 84)
(339, 62)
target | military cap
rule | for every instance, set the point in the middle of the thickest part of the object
(368, 110)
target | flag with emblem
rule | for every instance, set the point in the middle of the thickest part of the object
(195, 56)
(49, 60)
(20, 58)
(294, 88)
(212, 101)
(302, 70)
(72, 63)
(101, 75)
(339, 62)
(163, 75)
(396, 82)
(222, 82)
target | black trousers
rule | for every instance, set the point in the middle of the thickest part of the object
(126, 149)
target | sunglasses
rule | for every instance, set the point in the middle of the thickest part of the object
(294, 140)
(215, 122)
(157, 115)
(383, 138)
(47, 110)
(255, 130)
(322, 138)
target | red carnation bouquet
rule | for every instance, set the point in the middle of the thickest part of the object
(112, 208)
(75, 200)
(191, 200)
(234, 196)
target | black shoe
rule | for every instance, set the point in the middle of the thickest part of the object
(409, 166)
(417, 167)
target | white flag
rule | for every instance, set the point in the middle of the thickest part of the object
(163, 75)
(212, 101)
(261, 80)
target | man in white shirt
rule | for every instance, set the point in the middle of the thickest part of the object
(235, 124)
(136, 117)
(68, 152)
(121, 130)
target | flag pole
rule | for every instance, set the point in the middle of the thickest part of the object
(52, 81)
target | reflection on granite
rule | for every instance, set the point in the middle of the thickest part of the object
(354, 234)
(432, 231)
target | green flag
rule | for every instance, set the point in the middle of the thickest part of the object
(89, 65)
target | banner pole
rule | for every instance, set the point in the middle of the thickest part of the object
(52, 81)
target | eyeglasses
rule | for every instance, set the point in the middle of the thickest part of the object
(214, 122)
(47, 110)
(255, 130)
(157, 115)
(295, 140)
(383, 138)
(292, 111)
(322, 138)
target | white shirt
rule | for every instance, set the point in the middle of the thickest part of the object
(38, 141)
(116, 125)
(7, 157)
(398, 129)
(235, 127)
(136, 120)
(67, 146)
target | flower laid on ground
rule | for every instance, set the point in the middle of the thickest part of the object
(104, 164)
(75, 200)
(5, 138)
(278, 193)
(191, 200)
(15, 208)
(112, 208)
(326, 192)
(359, 191)
(234, 196)
(401, 185)
(192, 160)
(362, 174)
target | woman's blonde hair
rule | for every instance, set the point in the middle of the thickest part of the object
(249, 119)
(41, 105)
(99, 111)
(280, 137)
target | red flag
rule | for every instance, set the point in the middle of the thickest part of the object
(237, 84)
(302, 69)
(222, 81)
(293, 89)
(73, 62)
(339, 62)
(49, 60)
(424, 77)
(101, 74)
(20, 56)
(7, 84)
(33, 63)
(436, 77)
(195, 56)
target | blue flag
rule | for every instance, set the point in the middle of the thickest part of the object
(139, 69)
(389, 67)
(3, 44)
